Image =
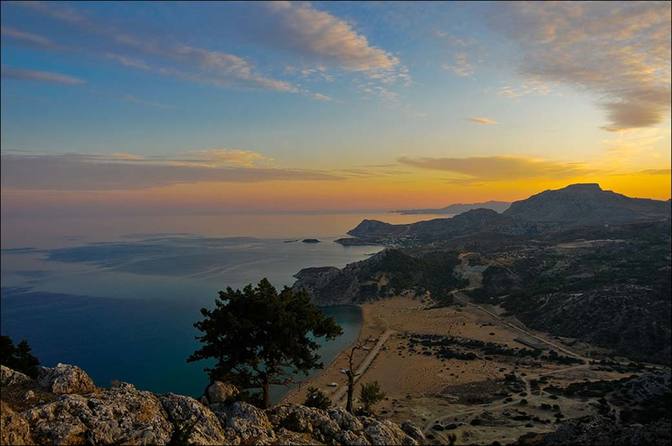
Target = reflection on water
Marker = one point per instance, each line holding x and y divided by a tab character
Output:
119	297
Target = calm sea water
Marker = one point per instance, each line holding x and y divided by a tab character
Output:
119	297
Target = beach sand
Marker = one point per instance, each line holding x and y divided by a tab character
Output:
425	388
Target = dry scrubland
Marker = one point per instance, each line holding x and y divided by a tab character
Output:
471	398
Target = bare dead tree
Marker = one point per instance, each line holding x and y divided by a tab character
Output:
351	375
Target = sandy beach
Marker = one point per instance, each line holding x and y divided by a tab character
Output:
427	389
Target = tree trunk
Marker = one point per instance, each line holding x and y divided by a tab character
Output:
351	388
266	390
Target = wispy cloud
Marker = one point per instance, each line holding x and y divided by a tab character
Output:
495	168
175	59
26	37
528	87
229	157
482	121
40	76
461	66
328	44
123	171
299	27
618	51
129	61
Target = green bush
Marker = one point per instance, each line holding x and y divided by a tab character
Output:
317	398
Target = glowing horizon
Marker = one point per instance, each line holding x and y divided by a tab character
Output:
297	107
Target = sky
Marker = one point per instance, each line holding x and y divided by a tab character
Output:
189	108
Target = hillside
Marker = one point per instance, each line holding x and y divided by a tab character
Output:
385	274
609	286
572	206
587	204
439	229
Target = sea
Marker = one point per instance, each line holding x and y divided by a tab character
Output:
118	296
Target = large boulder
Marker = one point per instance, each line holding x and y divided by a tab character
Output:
316	422
118	415
337	426
219	392
245	423
9	377
65	379
14	429
194	423
345	419
386	432
288	438
413	431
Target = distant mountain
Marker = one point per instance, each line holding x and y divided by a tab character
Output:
458	208
466	223
573	206
587	204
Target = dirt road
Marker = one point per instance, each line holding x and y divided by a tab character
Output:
340	393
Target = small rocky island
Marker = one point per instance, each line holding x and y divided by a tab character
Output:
64	406
310	240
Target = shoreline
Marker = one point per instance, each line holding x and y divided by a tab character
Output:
294	392
452	385
371	330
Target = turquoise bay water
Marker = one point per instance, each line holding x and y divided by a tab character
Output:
119	297
124	310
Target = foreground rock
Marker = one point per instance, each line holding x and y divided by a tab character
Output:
193	422
121	414
10	377
219	392
80	413
65	379
14	428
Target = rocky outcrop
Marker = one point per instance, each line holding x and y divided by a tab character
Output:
65	379
337	426
194	423
14	428
247	423
122	414
10	377
413	431
219	392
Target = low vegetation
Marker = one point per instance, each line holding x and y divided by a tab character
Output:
18	357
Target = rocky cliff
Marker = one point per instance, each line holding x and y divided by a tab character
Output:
388	273
63	406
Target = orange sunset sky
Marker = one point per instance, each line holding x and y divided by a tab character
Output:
153	108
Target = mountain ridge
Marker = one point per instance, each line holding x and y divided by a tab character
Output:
581	204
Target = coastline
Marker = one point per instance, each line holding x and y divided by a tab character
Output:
294	394
429	388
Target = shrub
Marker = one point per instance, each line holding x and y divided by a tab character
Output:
317	398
